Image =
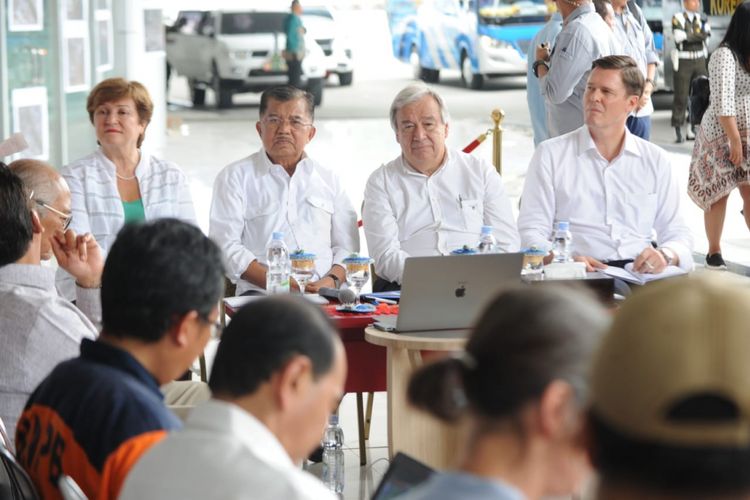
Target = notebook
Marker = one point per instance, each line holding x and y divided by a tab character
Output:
403	474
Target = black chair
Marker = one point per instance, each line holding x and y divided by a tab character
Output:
15	483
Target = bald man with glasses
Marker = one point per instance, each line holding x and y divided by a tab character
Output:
39	328
281	189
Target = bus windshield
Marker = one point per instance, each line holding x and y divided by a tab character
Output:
513	11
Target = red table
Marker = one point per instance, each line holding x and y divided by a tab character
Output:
366	363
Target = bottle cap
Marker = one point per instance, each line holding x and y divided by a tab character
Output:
563	225
486	229
333	419
277	235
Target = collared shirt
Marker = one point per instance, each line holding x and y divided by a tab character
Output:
584	38
407	213
453	485
97	206
637	41
293	27
39	329
613	207
534	97
98	414
254	197
222	452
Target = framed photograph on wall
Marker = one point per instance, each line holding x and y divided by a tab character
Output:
31	118
75	46
103	36
153	29
25	15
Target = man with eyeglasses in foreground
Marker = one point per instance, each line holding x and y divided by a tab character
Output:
280	188
430	200
38	327
95	415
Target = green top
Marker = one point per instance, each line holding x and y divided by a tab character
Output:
293	29
134	210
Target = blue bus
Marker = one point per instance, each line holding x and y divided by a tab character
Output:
481	38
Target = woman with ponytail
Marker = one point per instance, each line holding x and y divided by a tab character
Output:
519	388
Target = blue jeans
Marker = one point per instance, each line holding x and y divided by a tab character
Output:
640	126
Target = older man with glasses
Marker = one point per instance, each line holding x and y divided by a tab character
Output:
281	189
40	329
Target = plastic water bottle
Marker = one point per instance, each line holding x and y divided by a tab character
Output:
487	242
333	455
562	246
279	265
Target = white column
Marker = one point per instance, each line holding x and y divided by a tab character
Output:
133	62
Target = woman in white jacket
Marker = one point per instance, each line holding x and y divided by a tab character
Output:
119	182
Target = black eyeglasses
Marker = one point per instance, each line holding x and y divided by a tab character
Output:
216	327
66	218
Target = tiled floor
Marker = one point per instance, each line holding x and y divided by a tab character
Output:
360	482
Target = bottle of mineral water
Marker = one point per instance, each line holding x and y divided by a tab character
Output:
487	241
562	247
279	266
333	455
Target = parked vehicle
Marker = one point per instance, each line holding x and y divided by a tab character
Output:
481	38
321	23
237	51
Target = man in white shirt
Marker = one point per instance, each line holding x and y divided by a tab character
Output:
430	200
38	328
281	189
614	188
279	373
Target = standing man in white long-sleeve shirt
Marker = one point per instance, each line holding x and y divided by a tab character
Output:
280	188
429	200
615	188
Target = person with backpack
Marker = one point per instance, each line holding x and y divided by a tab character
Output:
691	31
720	160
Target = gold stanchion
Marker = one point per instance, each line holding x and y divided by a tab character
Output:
497	140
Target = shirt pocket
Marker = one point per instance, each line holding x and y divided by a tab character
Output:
641	212
473	214
318	214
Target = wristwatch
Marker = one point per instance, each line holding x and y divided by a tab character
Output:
537	63
668	254
336	280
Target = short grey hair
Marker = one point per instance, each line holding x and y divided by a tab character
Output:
40	178
411	94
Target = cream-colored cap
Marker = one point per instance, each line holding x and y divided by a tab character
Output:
670	342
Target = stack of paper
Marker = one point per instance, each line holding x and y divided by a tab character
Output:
631	276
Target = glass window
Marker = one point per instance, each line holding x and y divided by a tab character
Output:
243	23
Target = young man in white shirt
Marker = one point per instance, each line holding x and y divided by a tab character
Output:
279	373
614	188
430	200
280	188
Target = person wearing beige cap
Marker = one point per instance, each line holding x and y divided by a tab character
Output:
669	413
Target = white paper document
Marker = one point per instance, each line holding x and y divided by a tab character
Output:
631	276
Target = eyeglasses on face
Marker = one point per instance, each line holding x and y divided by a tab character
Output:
66	218
216	327
273	121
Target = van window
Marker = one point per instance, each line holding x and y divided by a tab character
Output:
244	23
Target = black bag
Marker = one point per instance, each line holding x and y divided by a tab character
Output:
700	92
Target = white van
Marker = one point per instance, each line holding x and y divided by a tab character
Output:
321	23
232	51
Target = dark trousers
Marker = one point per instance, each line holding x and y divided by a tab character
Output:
383	285
294	71
688	69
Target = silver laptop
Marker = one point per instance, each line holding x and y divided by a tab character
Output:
449	292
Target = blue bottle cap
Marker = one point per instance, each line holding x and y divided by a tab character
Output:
563	225
486	230
277	235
